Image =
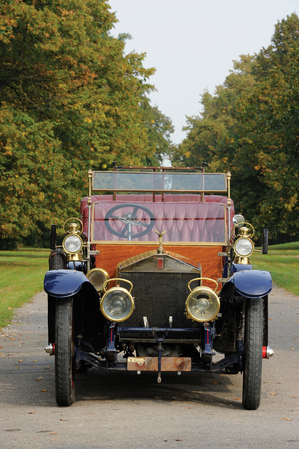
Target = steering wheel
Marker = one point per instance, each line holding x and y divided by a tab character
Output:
130	219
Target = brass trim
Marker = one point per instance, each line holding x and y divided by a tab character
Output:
160	191
118	279
79	231
244	231
90	181
132	260
154	243
228	178
92	224
199	279
226	225
243	260
74	257
160	250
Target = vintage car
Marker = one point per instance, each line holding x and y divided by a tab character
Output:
156	276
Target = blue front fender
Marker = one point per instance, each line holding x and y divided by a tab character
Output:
251	283
66	283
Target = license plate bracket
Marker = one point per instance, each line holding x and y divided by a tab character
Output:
151	364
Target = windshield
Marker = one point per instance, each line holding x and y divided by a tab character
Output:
138	221
159	182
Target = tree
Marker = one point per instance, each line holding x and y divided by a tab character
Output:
215	136
270	119
69	99
212	134
250	127
159	130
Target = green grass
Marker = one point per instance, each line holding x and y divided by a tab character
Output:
283	263
22	274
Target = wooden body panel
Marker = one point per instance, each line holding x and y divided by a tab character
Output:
207	256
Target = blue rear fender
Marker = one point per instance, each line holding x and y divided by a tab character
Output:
67	283
251	283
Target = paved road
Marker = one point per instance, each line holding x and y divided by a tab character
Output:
123	410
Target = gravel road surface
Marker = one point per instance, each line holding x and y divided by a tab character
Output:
124	410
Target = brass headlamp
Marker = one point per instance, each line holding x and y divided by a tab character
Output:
202	305
72	244
117	303
98	277
244	246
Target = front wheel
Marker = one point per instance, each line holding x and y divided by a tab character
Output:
252	373
64	353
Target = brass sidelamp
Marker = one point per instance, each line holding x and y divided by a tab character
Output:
72	243
243	245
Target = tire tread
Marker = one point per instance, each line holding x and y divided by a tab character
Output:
64	384
252	377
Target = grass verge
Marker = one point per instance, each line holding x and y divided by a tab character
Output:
283	263
22	274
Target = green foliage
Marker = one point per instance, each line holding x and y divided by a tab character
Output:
24	274
69	99
159	129
212	136
250	127
270	116
283	264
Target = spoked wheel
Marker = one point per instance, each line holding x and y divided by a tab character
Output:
64	353
252	374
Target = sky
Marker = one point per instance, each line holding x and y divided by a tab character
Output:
192	44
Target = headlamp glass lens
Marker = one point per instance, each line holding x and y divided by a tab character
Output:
73	244
243	247
202	305
117	305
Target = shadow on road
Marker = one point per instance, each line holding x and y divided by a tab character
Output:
33	385
194	387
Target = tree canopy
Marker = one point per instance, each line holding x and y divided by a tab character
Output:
250	127
159	130
69	99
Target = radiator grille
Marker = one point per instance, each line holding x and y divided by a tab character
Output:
158	296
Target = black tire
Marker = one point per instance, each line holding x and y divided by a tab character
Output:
252	373
57	260
64	353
